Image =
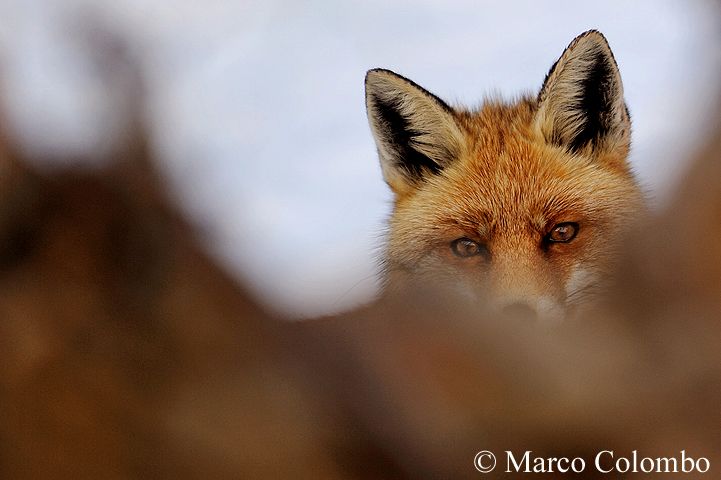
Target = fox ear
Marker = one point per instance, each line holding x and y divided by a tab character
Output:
416	133
581	104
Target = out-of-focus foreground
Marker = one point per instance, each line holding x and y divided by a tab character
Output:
125	352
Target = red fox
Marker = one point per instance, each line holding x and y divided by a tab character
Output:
521	204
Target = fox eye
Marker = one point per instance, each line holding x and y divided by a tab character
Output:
465	247
563	232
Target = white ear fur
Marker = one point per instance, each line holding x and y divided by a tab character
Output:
581	105
415	132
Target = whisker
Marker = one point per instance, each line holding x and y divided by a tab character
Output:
353	287
583	293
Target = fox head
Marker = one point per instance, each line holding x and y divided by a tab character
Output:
519	204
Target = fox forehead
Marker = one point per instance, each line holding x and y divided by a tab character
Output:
507	176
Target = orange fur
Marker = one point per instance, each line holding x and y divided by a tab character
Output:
506	186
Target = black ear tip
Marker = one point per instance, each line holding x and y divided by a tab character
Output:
592	33
593	36
376	73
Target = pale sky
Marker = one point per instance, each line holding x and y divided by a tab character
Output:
258	111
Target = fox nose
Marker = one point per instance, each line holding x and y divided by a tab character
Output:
520	311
